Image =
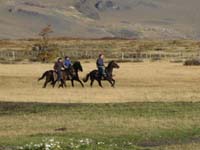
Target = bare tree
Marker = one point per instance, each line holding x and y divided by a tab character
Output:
47	52
44	33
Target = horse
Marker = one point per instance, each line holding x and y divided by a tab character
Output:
67	74
71	74
94	75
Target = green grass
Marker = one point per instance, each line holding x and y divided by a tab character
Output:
145	125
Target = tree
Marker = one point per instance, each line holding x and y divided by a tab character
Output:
44	33
47	52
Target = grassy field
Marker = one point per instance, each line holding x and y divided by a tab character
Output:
141	82
155	106
147	125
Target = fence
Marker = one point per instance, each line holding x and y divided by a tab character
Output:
10	55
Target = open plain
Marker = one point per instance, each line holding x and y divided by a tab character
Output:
155	105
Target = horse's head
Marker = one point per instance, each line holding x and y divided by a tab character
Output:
113	64
77	66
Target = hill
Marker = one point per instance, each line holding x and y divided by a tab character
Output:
166	19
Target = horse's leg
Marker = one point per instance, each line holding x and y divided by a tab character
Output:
110	81
64	83
72	82
80	82
45	84
91	83
113	82
54	83
61	85
99	81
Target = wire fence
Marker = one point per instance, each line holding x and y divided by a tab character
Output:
11	55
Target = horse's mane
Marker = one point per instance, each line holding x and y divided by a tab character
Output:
75	63
110	63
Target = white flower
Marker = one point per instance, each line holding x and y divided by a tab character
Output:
51	140
129	143
100	143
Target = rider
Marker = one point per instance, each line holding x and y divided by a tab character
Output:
101	66
58	68
67	64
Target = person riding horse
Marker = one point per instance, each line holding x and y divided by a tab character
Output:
67	62
101	66
94	74
50	77
58	66
67	65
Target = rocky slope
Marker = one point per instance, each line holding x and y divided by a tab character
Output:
101	18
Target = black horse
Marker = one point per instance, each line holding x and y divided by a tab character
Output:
67	74
94	75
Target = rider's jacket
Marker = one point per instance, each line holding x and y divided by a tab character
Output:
100	62
67	63
58	66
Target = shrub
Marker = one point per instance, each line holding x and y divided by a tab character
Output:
47	56
192	62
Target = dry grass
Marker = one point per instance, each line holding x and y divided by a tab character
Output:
159	81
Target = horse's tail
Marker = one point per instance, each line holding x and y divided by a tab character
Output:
44	75
86	78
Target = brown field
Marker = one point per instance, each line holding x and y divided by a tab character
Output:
136	82
165	125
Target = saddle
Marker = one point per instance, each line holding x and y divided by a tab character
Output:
102	76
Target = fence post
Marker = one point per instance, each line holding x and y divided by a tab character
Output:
122	55
13	55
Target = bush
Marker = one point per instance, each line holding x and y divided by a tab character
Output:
49	54
192	62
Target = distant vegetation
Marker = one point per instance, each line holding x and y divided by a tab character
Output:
47	49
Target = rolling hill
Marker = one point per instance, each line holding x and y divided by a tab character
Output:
155	19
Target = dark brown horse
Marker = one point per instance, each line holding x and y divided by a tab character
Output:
94	75
67	74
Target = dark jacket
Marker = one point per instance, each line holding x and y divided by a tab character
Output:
58	66
100	62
